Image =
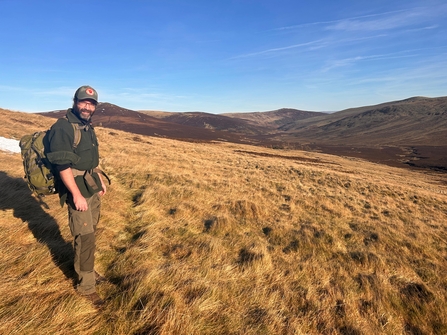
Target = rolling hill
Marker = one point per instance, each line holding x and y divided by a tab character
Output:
277	118
214	122
119	118
411	131
406	133
415	121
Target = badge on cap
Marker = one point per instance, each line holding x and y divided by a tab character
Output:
89	91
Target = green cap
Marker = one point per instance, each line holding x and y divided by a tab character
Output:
86	92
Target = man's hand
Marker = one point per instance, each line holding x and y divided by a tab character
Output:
103	185
80	203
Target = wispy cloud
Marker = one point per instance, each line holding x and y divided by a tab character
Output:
395	21
420	78
434	26
352	60
137	98
335	22
37	92
378	21
391	20
312	44
404	77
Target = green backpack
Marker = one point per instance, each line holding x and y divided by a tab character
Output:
38	170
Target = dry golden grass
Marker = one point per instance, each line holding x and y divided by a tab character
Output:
229	239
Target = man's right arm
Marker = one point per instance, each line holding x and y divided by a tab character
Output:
67	178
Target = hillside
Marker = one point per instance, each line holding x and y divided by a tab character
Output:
407	133
410	133
277	118
415	121
225	238
248	123
119	118
215	122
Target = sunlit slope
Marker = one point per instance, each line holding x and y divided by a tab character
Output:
414	121
222	238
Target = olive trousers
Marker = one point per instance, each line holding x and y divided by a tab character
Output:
83	228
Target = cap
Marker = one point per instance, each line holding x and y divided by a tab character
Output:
86	92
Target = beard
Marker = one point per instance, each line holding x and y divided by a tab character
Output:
84	113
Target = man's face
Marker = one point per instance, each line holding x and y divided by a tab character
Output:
85	109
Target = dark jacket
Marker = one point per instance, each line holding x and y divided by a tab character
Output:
62	154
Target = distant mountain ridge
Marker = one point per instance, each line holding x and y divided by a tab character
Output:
212	121
414	121
255	123
116	117
411	131
276	118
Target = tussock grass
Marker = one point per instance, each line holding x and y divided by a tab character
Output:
221	238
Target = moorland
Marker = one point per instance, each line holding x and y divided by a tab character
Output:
214	229
407	133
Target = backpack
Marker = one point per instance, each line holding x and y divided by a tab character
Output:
38	169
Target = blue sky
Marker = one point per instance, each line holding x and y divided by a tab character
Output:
222	56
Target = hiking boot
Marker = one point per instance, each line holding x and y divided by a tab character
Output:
99	279
95	299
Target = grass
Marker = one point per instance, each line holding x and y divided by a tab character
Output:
218	238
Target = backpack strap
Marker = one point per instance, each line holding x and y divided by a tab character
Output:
77	134
99	171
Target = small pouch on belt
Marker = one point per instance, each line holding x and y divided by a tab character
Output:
90	184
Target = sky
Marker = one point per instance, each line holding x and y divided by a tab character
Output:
221	56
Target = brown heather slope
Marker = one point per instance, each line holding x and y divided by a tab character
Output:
223	238
415	121
277	118
408	133
216	122
119	118
247	123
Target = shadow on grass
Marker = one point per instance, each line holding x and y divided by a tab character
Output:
16	195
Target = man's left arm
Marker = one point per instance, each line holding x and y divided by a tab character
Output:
103	185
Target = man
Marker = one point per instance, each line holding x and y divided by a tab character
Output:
79	184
